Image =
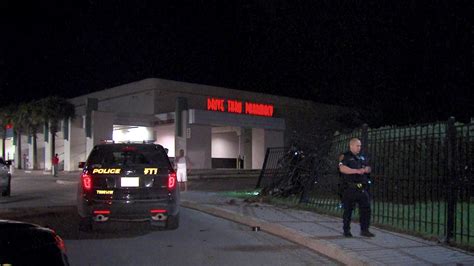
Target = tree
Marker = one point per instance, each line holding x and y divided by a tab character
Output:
20	120
5	120
53	110
33	122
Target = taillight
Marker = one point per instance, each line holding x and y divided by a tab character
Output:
86	182
157	211
60	243
101	212
171	180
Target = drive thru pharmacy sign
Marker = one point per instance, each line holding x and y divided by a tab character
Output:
239	107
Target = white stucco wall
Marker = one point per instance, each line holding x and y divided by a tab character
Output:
261	140
139	103
102	129
225	145
165	137
75	146
198	146
9	149
258	147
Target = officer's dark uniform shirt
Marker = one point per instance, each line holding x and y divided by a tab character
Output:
354	162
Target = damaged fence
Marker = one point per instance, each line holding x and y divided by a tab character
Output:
423	178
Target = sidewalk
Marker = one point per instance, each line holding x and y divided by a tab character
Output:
62	178
324	233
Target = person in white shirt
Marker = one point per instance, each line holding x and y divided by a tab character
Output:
182	165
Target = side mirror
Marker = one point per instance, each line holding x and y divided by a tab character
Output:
81	165
166	150
8	162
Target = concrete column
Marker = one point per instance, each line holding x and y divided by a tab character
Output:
40	153
102	129
198	146
262	139
165	137
31	156
246	147
48	151
181	140
9	149
59	144
258	147
24	150
75	145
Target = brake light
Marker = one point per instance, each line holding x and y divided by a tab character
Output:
86	182
129	148
60	243
158	211
171	180
101	212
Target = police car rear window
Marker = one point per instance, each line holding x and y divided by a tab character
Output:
118	155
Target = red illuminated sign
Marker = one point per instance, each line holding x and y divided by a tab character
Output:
239	107
8	126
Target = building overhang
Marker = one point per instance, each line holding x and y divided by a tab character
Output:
204	117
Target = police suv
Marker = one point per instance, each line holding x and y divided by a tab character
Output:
128	182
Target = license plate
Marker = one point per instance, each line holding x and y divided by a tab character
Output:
104	192
129	182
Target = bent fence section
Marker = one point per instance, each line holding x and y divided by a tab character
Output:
423	178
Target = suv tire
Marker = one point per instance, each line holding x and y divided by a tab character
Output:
172	223
7	191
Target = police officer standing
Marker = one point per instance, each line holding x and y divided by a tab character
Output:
354	169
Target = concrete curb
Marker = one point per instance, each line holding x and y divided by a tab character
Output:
321	246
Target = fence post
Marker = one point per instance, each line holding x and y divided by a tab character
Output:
262	172
451	178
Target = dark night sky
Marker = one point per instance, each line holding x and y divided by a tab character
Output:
398	61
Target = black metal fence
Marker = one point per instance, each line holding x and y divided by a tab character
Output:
273	168
423	178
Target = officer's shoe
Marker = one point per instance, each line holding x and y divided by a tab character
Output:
366	234
347	234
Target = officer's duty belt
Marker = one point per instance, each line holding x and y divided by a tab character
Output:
357	185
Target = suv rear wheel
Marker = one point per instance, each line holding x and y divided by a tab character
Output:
172	222
7	191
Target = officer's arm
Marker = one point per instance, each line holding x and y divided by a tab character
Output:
367	169
349	171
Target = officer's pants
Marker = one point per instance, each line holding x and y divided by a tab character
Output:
350	197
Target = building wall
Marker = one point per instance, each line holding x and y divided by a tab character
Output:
225	145
102	129
40	151
262	139
198	146
273	138
154	96
141	102
138	103
76	145
122	98
59	147
165	137
9	149
258	147
304	117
